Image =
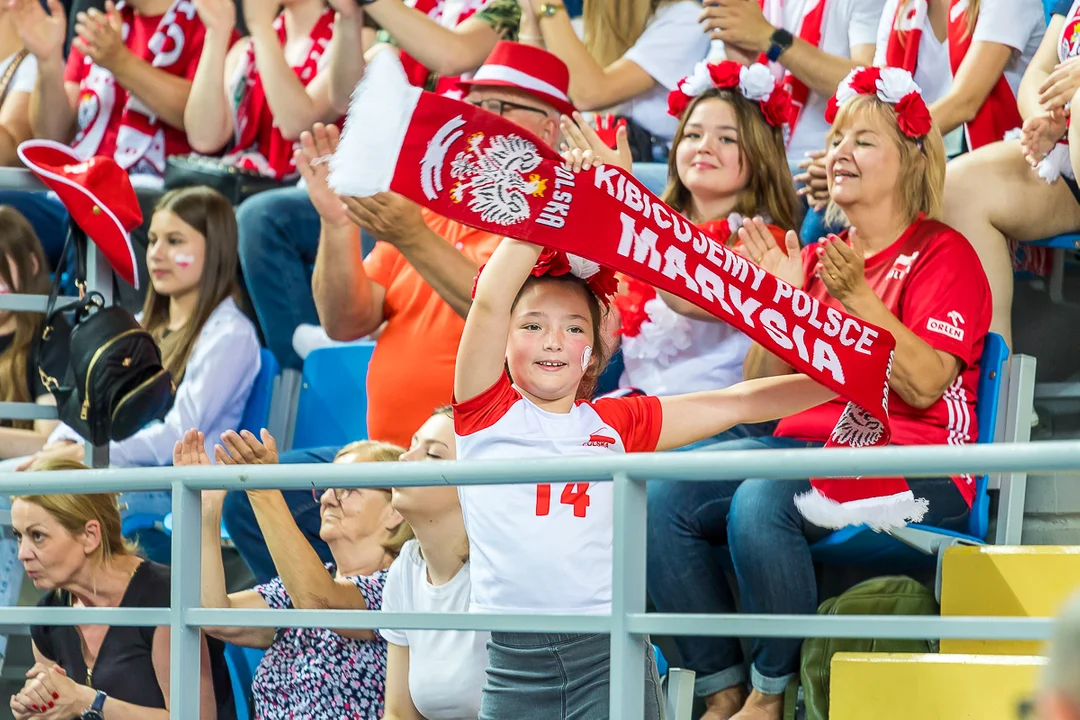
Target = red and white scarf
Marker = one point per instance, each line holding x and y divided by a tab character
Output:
998	114
486	172
260	147
142	134
905	35
418	74
810	30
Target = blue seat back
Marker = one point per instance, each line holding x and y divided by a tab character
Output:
1048	7
332	408
991	378
652	175
242	663
257	411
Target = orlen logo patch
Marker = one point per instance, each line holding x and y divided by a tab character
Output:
597	440
944	328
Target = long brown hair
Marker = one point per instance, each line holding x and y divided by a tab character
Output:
769	189
613	26
207	211
18	242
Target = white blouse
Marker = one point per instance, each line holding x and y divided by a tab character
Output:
220	374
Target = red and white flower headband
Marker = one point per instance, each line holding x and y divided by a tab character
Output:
600	279
754	82
890	85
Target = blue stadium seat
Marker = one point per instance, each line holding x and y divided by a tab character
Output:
859	545
1048	7
332	408
257	411
652	175
242	664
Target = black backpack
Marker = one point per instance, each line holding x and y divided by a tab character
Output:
101	365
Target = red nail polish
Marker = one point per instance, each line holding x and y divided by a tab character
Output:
35	707
51	703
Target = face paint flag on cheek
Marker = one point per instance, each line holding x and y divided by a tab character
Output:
481	170
183	260
586	357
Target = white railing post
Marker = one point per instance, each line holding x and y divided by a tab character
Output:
185	650
628	597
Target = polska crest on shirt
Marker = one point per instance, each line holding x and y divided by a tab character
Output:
494	174
1069	44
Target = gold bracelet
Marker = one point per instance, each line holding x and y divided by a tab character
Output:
549	9
530	38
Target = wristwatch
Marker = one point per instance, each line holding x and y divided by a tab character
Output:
550	8
94	712
780	41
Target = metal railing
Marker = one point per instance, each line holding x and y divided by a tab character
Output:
628	623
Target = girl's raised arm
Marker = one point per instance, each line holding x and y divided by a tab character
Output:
482	351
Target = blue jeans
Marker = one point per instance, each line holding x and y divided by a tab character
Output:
279	237
47	216
755	523
541	676
244	529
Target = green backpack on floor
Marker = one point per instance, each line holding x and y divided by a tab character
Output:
892	595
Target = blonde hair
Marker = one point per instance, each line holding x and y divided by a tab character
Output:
921	183
375	451
73	512
761	147
613	26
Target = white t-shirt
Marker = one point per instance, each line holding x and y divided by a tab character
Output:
932	74
446	667
672	44
847	24
672	354
25	75
1019	24
545	548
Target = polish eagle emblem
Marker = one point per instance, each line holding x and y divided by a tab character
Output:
495	176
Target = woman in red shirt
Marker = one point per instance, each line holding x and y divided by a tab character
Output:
898	268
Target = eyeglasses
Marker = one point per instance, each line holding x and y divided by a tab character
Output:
499	107
342	494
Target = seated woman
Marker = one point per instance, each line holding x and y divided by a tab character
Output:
207	343
968	65
257	95
23	269
432	674
728	162
1023	189
306	672
633	54
901	270
71	547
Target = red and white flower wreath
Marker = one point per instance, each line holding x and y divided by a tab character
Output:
754	82
894	86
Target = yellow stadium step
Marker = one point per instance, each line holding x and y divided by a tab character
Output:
1006	581
887	686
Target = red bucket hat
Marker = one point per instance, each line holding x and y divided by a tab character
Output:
97	194
528	68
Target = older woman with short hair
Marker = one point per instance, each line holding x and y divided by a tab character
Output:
898	268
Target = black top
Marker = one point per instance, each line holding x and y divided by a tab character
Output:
1062	8
33	379
124	668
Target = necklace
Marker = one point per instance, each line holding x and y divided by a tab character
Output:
83	647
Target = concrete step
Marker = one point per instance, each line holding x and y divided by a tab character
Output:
886	686
1004	581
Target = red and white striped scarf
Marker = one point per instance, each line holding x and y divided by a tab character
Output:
905	35
810	30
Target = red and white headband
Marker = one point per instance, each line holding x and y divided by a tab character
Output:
893	86
600	279
754	82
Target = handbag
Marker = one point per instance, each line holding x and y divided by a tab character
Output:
101	365
644	146
236	184
9	74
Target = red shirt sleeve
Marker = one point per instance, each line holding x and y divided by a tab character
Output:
946	299
484	410
637	420
73	69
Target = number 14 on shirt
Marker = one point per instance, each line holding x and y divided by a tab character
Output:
576	494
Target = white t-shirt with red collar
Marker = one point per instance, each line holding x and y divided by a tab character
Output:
545	548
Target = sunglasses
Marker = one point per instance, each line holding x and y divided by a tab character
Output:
342	494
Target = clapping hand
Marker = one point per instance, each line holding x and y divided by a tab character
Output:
49	694
583	140
244	448
842	267
814	180
761	247
219	16
313	162
101	36
41	33
1040	134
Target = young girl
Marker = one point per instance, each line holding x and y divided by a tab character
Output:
23	269
432	674
727	164
528	357
207	343
633	53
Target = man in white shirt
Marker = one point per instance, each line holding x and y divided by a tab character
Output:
846	31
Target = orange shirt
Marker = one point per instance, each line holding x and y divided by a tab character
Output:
412	368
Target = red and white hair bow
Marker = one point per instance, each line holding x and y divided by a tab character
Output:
754	82
600	279
893	86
